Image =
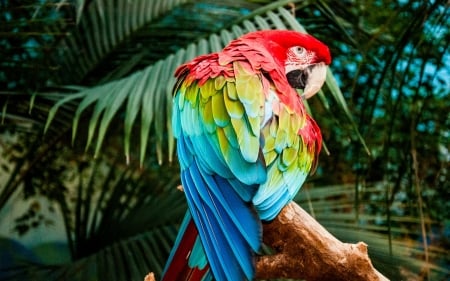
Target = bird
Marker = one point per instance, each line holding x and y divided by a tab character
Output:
245	145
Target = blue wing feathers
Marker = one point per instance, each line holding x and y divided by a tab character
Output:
246	192
214	261
184	156
243	216
219	254
213	163
232	237
248	173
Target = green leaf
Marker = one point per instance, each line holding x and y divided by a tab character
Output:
339	97
120	95
148	105
133	108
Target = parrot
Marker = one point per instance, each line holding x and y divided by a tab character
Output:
245	145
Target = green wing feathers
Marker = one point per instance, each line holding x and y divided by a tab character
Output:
289	156
230	113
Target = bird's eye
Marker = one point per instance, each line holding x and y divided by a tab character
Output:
299	51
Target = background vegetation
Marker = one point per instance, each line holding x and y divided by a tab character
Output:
94	197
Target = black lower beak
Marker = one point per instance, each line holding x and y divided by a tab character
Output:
297	78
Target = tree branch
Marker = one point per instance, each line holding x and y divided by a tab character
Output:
305	250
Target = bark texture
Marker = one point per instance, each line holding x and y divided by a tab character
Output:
306	250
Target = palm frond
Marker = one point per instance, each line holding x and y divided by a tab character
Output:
102	26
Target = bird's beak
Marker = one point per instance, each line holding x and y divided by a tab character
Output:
310	79
316	78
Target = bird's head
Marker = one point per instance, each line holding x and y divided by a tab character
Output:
304	58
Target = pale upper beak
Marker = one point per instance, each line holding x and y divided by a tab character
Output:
315	81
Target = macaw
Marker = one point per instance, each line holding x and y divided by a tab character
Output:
245	145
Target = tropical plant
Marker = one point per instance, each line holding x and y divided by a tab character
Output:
87	148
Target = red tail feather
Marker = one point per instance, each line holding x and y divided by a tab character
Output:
179	269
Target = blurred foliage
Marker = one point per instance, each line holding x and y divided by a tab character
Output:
97	76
